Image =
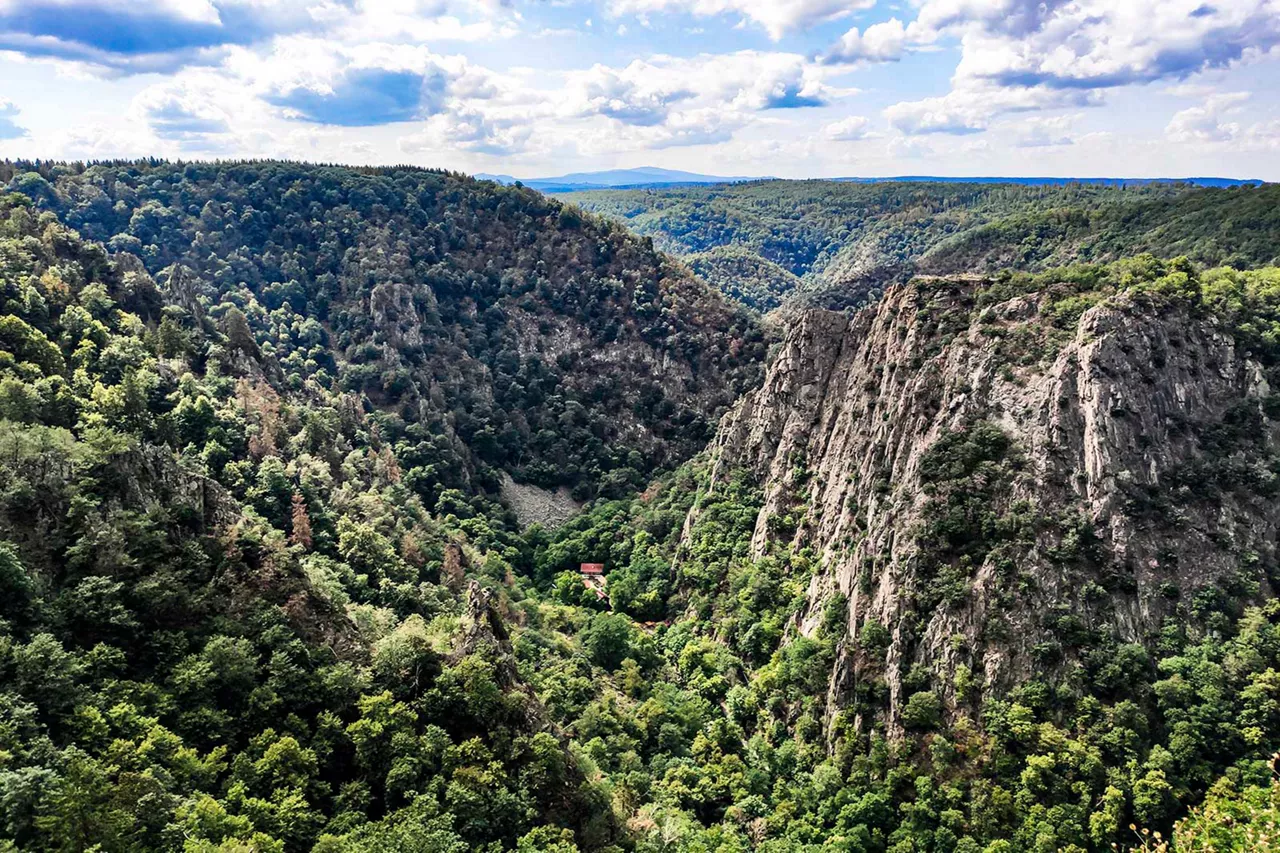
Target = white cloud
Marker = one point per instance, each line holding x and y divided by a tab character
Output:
9	127
697	127
1207	123
202	112
1010	17
98	141
360	150
777	17
1045	132
632	95
118	37
882	42
196	110
768	153
657	103
907	147
952	154
365	84
970	110
1022	55
646	92
1215	124
666	101
418	21
469	129
1098	43
850	129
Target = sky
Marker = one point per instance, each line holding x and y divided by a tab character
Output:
534	88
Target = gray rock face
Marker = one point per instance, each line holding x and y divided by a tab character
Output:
535	505
1137	475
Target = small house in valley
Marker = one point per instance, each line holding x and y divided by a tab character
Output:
593	579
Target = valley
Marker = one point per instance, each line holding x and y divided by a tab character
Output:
932	516
847	241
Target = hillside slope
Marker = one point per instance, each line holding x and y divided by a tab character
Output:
496	320
744	276
1232	226
1003	474
227	618
847	242
989	565
880	614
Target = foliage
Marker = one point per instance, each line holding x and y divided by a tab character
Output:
489	331
231	581
847	241
744	276
1232	820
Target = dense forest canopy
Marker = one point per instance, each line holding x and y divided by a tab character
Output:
255	594
491	327
846	241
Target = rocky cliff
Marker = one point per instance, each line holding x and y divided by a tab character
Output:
994	478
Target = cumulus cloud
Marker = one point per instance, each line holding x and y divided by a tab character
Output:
1207	122
9	128
1045	132
1013	18
469	130
125	36
359	97
849	129
697	127
129	37
777	17
909	148
652	104
1019	55
98	141
359	150
882	42
1216	122
649	92
206	112
1100	44
185	111
451	104
943	151
421	21
361	85
970	110
630	95
666	101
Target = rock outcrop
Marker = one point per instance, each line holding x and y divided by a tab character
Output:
989	486
535	505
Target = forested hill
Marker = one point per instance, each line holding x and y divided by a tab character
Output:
487	328
243	609
228	621
847	241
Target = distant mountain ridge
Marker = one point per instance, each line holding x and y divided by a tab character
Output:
1056	182
653	177
643	176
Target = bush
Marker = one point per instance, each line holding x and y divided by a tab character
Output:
923	711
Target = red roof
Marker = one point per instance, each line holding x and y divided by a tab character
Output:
592	568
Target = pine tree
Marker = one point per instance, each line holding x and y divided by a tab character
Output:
301	522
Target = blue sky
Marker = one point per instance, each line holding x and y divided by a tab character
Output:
792	88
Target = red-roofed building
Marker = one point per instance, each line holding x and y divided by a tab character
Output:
593	579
